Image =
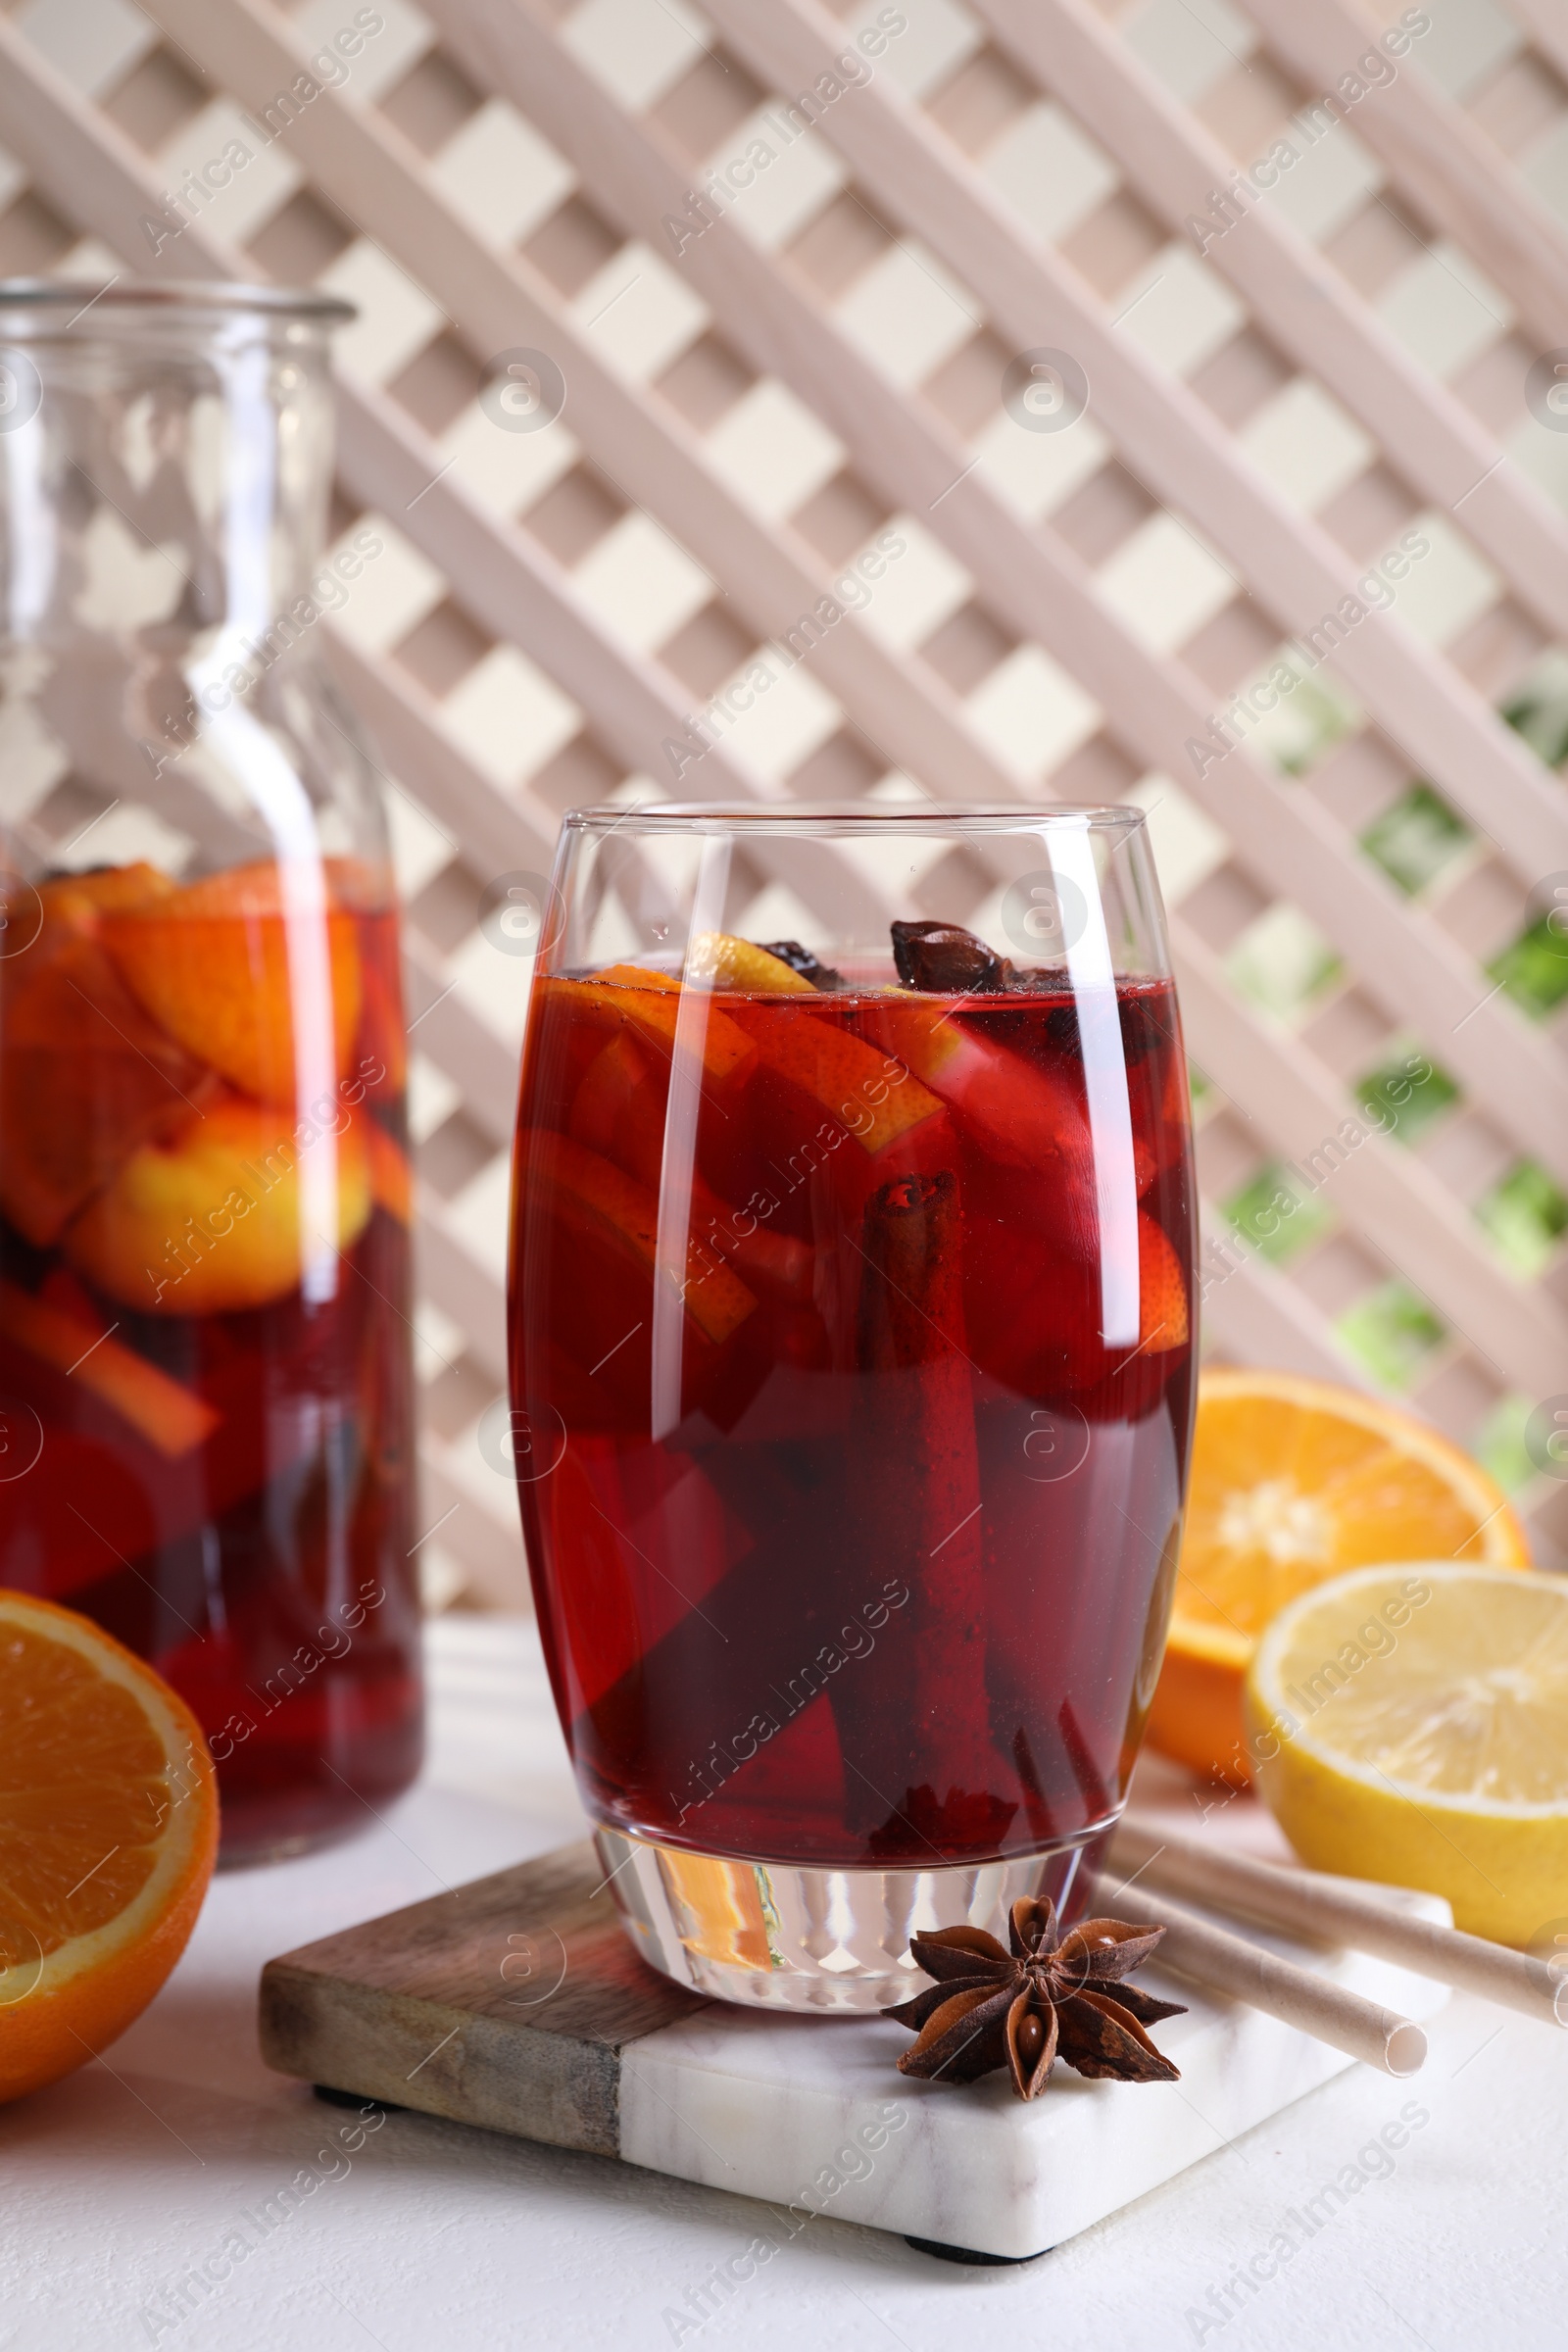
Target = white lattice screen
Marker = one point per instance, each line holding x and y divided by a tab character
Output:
792	269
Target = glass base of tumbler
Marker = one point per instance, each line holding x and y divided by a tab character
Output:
785	1935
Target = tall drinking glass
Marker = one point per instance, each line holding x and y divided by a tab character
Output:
851	1338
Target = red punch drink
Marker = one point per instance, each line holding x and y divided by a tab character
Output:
204	1359
852	1349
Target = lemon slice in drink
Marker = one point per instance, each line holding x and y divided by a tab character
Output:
718	960
1409	1724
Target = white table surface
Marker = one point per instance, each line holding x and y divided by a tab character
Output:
118	2183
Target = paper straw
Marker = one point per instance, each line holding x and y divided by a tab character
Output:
1303	1902
1226	1963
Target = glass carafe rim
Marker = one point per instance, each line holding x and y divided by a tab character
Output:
24	300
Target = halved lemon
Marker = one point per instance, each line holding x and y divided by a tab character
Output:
1294	1481
1410	1724
108	1833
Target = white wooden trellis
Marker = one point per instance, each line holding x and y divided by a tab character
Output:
746	405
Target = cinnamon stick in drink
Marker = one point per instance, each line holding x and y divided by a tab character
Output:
913	1726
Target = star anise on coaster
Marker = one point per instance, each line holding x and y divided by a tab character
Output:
1052	1997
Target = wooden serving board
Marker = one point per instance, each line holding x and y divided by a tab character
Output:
517	2003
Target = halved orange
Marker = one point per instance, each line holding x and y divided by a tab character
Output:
108	1834
1295	1481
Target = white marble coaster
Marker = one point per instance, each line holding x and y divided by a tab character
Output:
516	2003
812	2118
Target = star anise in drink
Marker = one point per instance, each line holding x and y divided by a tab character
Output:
944	958
1051	1997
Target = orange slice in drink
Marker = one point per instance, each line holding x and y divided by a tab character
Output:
81	898
108	1833
619	1111
597	1204
391	1177
208	1221
218	964
1293	1481
652	1003
860	1086
638	975
1019	1113
169	1416
85	1077
619	1108
1162	1317
383	1039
